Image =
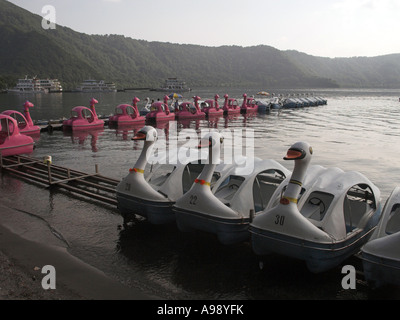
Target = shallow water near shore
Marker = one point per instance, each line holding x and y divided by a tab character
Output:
357	130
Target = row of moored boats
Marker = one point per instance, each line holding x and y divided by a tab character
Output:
316	214
161	111
84	118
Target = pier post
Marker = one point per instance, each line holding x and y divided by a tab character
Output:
49	171
251	215
96	166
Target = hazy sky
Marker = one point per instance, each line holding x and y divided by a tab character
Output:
328	28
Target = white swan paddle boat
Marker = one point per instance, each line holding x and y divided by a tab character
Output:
381	255
226	211
319	215
153	196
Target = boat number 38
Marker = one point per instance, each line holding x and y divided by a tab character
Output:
280	220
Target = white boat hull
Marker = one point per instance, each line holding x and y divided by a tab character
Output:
156	212
319	257
228	230
381	261
380	271
381	256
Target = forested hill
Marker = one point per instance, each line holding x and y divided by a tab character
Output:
28	49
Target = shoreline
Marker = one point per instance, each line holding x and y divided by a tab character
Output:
21	262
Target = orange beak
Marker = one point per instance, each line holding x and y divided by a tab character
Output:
139	136
204	144
294	154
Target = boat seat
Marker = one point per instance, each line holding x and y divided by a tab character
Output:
263	190
229	187
354	211
226	193
317	205
22	125
311	211
393	224
3	136
190	173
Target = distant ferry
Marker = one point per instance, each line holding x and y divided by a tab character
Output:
96	86
52	85
173	85
35	85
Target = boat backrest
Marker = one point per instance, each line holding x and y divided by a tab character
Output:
88	115
162	175
207	104
190	173
21	120
357	203
264	186
229	187
393	224
233	103
130	111
118	111
317	205
3	131
6	126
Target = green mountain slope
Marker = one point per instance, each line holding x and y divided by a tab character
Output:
28	49
376	72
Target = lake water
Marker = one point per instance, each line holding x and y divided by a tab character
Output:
357	130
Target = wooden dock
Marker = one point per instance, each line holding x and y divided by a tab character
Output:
91	186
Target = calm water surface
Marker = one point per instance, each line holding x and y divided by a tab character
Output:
356	130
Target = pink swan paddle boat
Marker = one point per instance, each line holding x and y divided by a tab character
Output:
12	142
190	110
25	123
230	106
83	118
248	105
212	108
126	114
159	111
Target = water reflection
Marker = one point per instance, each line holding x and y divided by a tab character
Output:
189	123
230	119
248	117
199	264
125	130
213	121
81	136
